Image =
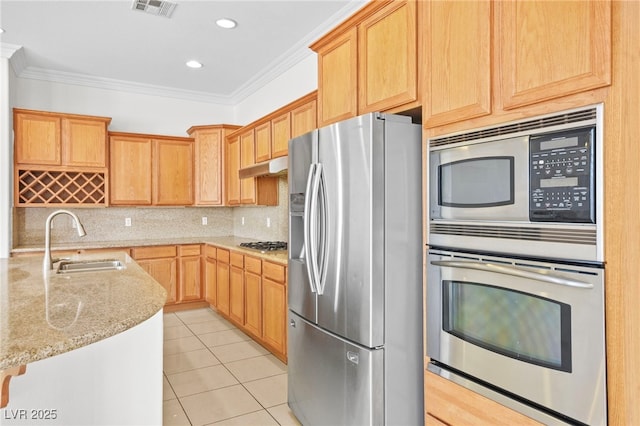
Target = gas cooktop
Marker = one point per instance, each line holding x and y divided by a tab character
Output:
265	246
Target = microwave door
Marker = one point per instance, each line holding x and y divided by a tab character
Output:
481	181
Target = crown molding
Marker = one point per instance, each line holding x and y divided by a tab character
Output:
276	68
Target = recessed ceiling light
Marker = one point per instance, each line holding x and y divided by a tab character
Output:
226	23
194	64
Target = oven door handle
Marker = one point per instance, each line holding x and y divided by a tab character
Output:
508	270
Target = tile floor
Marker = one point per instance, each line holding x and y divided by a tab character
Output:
215	374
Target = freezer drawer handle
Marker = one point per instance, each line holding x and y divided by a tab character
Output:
508	270
353	357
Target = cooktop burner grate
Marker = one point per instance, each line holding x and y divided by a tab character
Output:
266	245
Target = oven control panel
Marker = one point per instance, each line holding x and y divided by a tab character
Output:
562	176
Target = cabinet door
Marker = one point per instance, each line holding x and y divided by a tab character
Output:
274	313
84	142
338	78
247	155
163	271
387	57
37	139
231	170
211	287
130	171
209	167
223	287
173	172
190	279
280	135
263	142
550	49
253	303
304	119
457	59
236	295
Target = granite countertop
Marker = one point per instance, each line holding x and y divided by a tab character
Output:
227	242
42	316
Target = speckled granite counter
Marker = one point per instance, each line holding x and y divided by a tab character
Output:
228	242
42	317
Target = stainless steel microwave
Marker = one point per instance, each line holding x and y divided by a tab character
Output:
537	180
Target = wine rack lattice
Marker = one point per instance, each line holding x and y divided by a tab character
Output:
40	187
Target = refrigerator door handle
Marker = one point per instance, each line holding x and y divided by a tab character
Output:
323	256
314	212
307	226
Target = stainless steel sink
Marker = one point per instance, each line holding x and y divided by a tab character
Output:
71	266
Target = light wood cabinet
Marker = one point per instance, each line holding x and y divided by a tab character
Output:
222	278
209	144
491	62
190	273
236	288
453	404
369	62
56	139
231	171
160	262
304	118
247	158
457	58
151	170
211	275
253	295
262	134
274	307
280	134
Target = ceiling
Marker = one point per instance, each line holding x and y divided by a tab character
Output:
108	44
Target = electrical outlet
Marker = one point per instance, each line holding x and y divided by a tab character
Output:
127	221
268	222
204	220
242	220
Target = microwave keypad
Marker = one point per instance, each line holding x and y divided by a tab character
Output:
562	177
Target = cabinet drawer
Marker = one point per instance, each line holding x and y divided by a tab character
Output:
153	252
189	250
237	260
210	252
274	272
222	255
251	264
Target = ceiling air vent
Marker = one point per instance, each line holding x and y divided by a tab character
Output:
154	7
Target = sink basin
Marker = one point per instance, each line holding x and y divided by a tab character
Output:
67	267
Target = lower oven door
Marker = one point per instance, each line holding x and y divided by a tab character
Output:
532	329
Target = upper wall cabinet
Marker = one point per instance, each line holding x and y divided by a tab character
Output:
541	51
369	62
209	163
151	170
45	138
60	159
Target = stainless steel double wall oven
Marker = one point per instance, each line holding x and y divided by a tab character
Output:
515	267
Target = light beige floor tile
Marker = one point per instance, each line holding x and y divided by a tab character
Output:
256	368
270	391
185	361
259	418
237	351
219	404
200	380
167	392
173	415
183	344
224	337
176	332
194	316
211	326
171	320
283	415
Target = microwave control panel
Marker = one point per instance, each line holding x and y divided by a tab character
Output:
562	176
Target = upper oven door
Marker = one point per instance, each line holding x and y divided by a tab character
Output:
481	181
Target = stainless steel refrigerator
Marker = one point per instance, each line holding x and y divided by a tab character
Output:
355	351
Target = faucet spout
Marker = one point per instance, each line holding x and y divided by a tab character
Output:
47	263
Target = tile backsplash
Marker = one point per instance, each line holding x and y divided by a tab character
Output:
108	224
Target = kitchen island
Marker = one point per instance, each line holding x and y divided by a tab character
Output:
91	343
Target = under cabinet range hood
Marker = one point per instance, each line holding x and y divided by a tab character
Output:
274	167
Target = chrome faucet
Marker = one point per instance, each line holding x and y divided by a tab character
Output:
47	263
